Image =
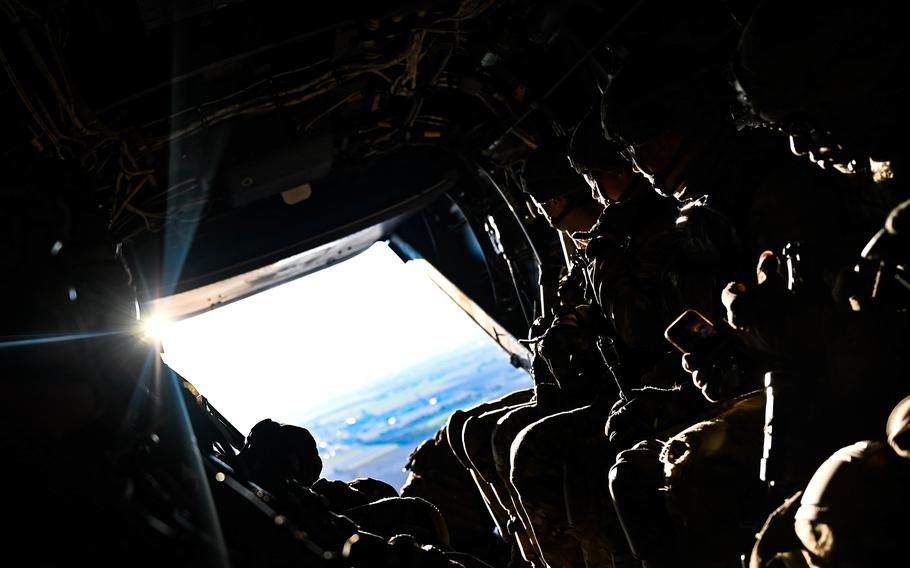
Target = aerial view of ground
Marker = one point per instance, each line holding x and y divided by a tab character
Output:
371	434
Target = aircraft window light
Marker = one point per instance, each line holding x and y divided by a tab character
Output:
371	355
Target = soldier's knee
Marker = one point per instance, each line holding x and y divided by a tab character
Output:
504	434
527	456
517	471
636	482
456	422
477	436
636	468
454	428
501	447
473	441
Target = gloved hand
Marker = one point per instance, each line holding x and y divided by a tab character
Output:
758	309
735	362
567	336
724	372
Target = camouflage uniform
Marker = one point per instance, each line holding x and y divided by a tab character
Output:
566	351
627	268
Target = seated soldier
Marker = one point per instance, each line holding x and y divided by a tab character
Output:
566	202
276	454
284	460
454	429
673	119
628	260
850	117
434	474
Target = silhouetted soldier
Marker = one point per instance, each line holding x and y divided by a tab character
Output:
834	79
284	459
671	113
628	264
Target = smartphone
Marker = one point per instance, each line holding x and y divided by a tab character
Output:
690	332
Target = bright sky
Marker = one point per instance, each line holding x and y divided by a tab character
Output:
288	350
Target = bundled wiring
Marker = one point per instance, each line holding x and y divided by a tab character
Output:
135	195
